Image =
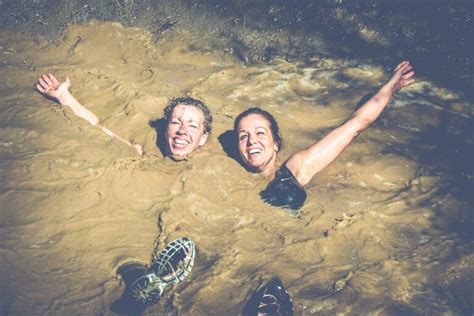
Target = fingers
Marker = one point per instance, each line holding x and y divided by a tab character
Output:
53	79
409	82
46	79
403	72
44	85
407	68
408	75
40	88
400	65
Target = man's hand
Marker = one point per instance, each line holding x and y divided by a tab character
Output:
50	86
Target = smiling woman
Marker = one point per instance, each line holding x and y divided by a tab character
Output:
259	142
259	139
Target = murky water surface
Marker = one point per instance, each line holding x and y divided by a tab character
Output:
394	212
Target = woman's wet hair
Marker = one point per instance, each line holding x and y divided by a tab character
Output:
168	111
273	123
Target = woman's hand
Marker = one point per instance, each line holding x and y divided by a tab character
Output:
401	77
307	162
48	84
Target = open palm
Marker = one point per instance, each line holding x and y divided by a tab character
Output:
50	86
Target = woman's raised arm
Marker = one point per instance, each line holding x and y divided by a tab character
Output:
306	163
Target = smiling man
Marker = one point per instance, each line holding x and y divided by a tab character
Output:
188	120
188	124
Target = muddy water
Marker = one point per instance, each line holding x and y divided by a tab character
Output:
392	216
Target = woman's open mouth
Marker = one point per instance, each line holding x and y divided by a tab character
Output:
254	152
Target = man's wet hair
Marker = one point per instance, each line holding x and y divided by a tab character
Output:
168	111
273	123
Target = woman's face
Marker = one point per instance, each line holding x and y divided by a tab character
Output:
256	144
185	131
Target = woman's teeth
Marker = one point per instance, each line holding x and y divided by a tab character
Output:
254	151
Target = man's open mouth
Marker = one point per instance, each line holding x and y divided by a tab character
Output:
180	142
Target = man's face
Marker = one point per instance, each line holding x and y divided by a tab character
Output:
185	130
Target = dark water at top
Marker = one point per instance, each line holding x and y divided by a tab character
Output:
434	34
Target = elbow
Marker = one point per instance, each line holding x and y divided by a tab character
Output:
365	122
360	123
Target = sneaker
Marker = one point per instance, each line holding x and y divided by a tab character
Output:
172	265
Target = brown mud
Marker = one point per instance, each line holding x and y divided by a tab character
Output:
433	34
387	229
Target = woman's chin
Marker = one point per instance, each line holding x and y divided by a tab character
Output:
257	168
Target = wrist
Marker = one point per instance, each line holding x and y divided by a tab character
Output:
64	97
389	89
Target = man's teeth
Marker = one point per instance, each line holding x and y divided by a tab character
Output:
180	142
254	151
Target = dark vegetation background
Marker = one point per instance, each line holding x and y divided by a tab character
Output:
436	35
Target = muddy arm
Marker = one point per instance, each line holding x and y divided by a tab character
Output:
48	85
306	163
